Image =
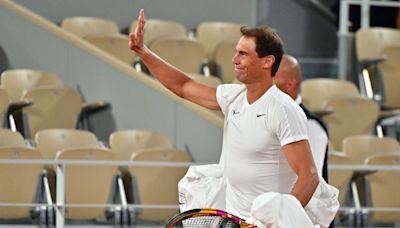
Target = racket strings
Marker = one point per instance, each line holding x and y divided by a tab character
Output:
208	222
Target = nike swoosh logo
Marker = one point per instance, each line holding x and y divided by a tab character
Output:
259	115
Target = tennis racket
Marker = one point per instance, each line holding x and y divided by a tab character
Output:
207	218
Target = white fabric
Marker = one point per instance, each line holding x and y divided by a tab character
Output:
275	210
318	140
284	210
203	186
324	204
252	144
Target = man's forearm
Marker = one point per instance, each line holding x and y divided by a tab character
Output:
305	187
168	75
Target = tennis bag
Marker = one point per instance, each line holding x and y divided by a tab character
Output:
203	186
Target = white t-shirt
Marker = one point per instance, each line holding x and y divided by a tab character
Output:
318	140
252	144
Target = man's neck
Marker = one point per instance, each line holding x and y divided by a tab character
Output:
256	90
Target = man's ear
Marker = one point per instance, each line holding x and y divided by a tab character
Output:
269	61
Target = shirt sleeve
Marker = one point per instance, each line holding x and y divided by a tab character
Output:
220	98
290	123
226	93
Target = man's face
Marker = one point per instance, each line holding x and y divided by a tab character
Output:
248	66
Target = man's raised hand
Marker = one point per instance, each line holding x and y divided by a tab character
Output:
136	37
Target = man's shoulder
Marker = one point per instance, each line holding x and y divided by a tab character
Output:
231	91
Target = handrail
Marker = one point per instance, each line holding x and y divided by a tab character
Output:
320	8
60	205
99	162
352	167
323	10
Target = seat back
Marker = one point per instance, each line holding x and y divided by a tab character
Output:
211	33
384	187
16	82
390	73
184	53
50	141
114	45
52	108
158	185
340	178
359	147
224	53
11	138
87	184
84	26
4	101
352	115
156	28
124	143
377	42
315	91
371	41
19	182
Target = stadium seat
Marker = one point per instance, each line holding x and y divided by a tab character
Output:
184	53
16	82
125	142
341	179
211	33
89	185
314	91
359	147
378	56
84	26
157	28
4	101
22	184
50	141
224	53
384	188
351	115
51	108
11	138
157	185
117	46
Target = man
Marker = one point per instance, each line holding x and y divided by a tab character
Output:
265	143
288	79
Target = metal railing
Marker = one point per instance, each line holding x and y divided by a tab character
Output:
60	205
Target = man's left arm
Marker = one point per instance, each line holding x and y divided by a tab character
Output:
300	160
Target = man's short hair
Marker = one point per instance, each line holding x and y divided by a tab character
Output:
267	43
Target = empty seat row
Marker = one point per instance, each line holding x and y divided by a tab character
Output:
94	184
35	99
204	53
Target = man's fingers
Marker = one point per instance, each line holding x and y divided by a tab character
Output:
141	18
136	37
